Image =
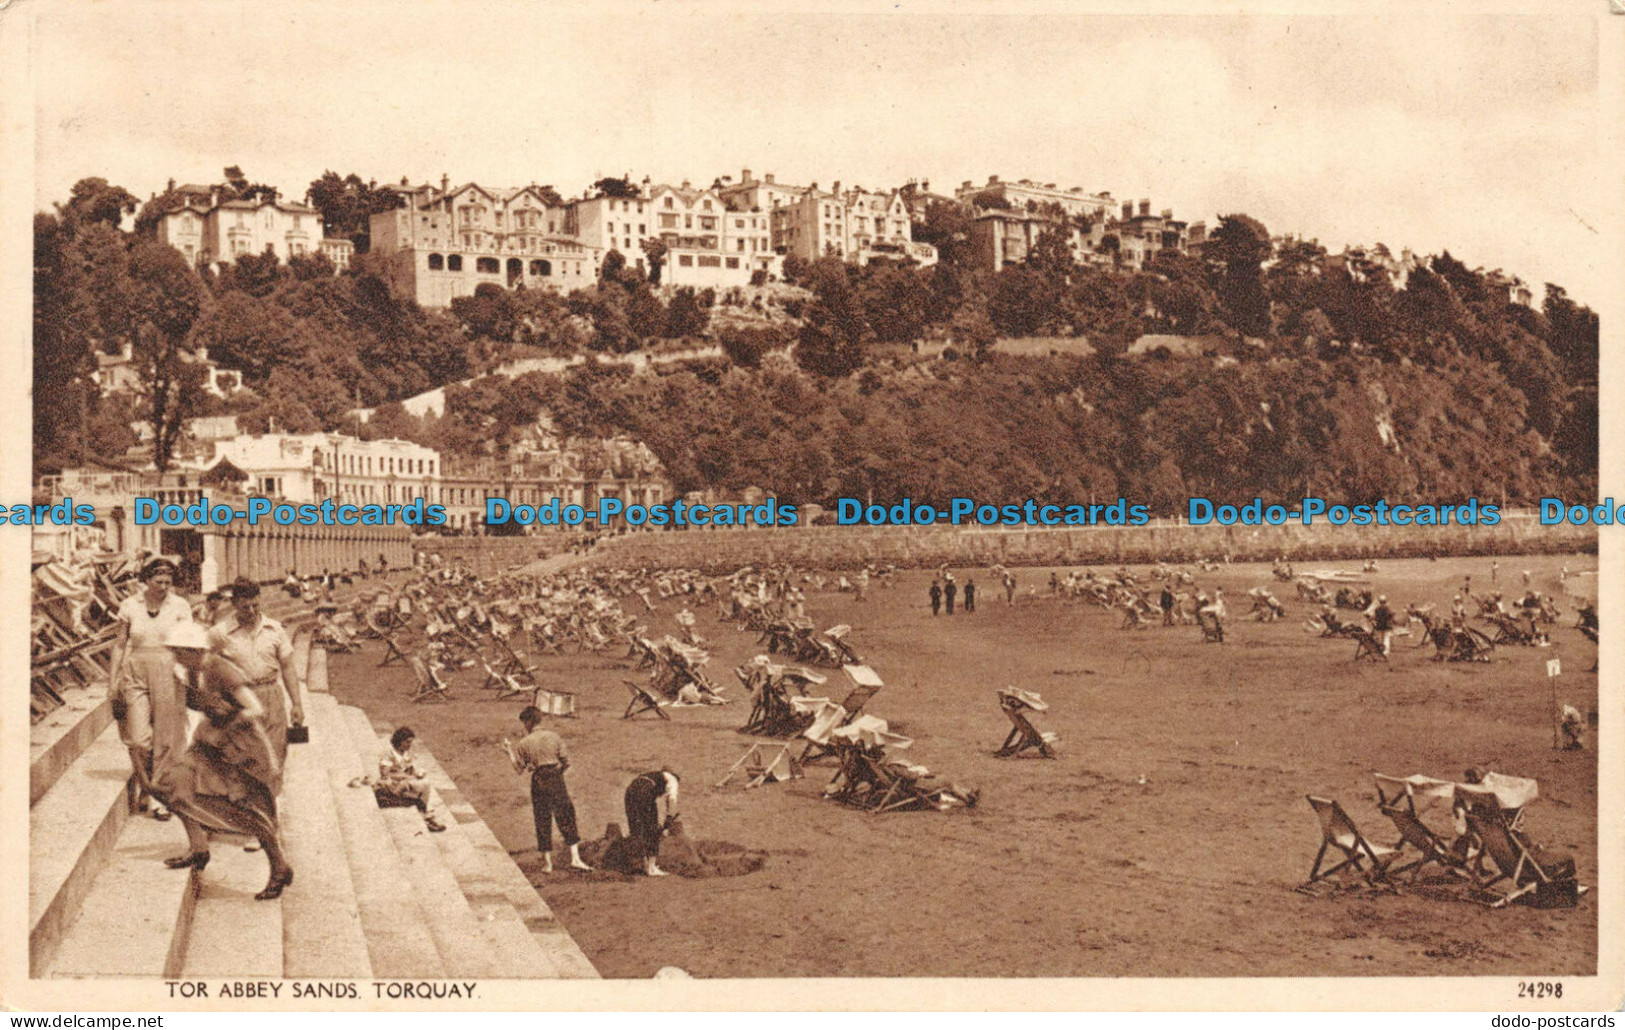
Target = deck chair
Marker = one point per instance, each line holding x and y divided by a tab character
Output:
1397	799
643	700
392	646
507	686
1366	645
837	639
762	763
430	687
1212	628
1517	866
1338	831
1015	704
902	786
866	684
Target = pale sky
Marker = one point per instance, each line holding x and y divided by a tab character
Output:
1474	133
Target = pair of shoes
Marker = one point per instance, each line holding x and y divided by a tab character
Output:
196	860
273	889
434	825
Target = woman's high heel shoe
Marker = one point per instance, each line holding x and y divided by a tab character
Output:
273	890
196	860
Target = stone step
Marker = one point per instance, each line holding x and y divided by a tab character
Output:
232	934
519	953
321	919
137	917
457	933
72	831
61	737
565	955
399	944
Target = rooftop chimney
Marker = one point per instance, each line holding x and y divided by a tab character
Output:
965	185
837	189
445	183
925	185
1145	209
1128	210
744	175
768	178
1168	213
993	180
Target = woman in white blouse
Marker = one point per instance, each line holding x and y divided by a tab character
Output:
148	700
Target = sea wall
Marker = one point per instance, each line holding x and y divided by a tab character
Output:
854	546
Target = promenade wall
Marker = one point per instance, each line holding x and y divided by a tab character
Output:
854	546
265	552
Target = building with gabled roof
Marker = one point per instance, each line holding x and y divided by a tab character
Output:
444	242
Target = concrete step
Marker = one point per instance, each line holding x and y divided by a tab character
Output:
398	940
61	737
519	953
316	671
72	831
232	934
321	919
137	916
562	952
463	948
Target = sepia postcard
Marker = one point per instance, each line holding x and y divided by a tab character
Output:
885	506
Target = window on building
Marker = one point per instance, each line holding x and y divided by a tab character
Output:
706	205
487	265
454	263
436	263
688	221
741	243
710	261
668	221
733	262
642	229
686	260
668	203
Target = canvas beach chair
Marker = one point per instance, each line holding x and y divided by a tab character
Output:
643	700
1016	706
1519	871
1338	833
1403	800
763	763
866	683
429	686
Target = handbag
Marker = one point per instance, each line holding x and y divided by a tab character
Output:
299	734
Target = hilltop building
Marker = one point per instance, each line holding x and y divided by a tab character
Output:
209	231
445	242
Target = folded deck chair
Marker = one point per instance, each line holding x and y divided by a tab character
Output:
1400	800
1338	831
643	700
1519	871
1015	704
762	763
430	687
